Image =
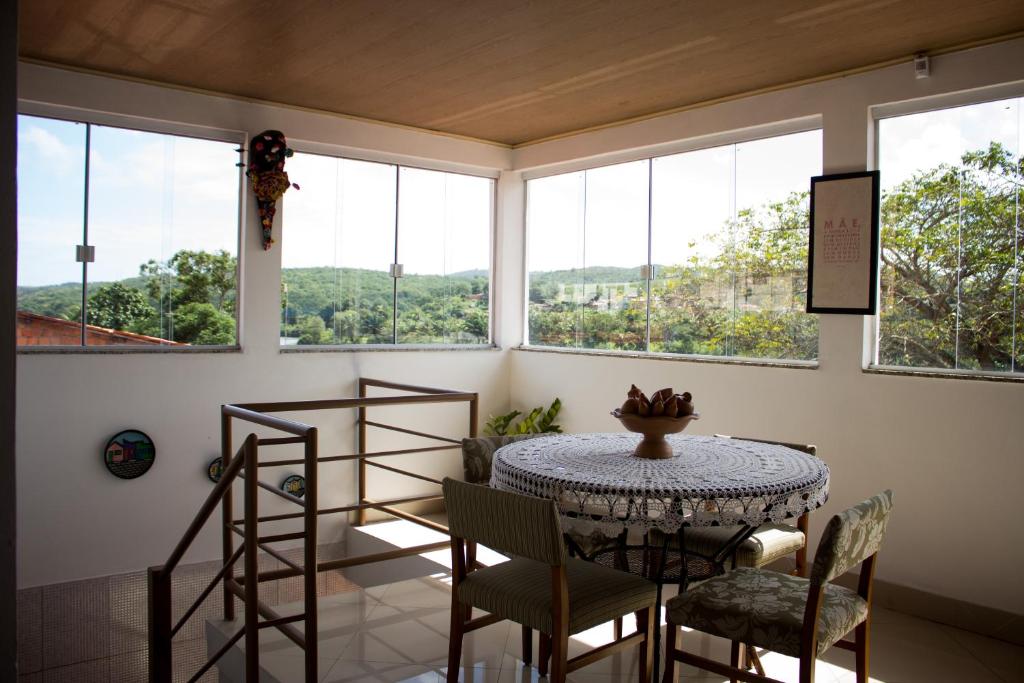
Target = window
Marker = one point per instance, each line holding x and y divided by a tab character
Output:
703	252
356	225
952	238
160	214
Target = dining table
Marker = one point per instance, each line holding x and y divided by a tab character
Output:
603	490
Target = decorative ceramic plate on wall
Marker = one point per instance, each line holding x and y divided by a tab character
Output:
129	454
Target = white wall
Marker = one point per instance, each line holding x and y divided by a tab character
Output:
952	450
75	520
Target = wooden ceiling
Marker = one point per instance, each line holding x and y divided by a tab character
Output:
509	71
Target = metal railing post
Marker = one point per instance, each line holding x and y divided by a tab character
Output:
159	625
252	570
360	450
310	568
226	512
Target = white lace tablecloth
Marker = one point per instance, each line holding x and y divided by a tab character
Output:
599	484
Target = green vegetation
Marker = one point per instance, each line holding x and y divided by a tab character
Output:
355	306
537	421
746	300
190	299
949	241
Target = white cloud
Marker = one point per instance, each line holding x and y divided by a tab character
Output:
61	158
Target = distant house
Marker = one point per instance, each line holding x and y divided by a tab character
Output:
116	452
44	330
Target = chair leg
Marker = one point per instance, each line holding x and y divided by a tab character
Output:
737	657
753	661
544	655
559	656
527	645
455	642
803	524
671	637
862	638
645	623
807	669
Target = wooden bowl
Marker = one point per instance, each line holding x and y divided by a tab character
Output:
654	446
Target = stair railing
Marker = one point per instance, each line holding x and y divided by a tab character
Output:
245	464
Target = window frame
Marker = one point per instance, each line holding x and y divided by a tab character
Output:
793	126
872	332
161	127
399	161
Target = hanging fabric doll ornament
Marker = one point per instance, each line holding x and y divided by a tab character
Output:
267	153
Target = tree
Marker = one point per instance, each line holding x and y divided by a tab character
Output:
203	323
192	277
118	307
949	242
312	330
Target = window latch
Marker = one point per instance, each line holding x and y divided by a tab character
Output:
396	270
646	272
85	253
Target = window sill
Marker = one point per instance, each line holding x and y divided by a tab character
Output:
388	348
644	355
120	350
936	373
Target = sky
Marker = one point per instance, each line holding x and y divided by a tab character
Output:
344	216
152	195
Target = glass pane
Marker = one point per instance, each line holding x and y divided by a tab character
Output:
692	292
614	307
444	228
555	260
770	233
951	237
163	216
337	246
51	182
729	240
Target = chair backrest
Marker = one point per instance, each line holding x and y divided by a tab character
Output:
851	537
507	522
478	453
808	448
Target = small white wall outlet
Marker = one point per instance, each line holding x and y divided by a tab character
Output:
922	66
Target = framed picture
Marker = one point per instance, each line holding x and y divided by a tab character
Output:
842	255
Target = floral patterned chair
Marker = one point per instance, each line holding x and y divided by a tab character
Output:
789	614
540	587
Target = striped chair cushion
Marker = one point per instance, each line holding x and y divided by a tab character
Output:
520	590
765	609
768	543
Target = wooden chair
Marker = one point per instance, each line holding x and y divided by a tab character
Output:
792	615
769	542
477	456
540	588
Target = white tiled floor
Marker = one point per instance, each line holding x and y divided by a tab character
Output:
399	632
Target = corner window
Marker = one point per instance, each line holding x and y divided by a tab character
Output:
952	240
699	253
125	237
376	253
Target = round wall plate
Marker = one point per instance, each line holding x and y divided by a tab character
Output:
129	454
295	485
215	469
